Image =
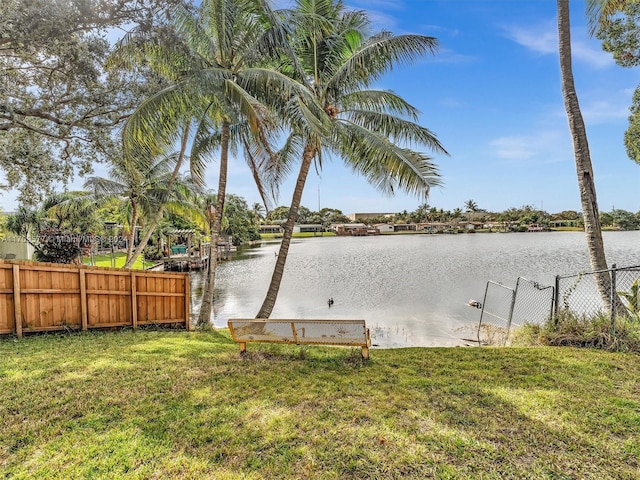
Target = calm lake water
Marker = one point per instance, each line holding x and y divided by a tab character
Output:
412	290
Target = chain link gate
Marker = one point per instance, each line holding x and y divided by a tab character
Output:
502	307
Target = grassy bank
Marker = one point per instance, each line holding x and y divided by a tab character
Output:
119	258
185	405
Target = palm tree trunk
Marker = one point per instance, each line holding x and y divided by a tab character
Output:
207	294
148	231
274	287
132	227
584	168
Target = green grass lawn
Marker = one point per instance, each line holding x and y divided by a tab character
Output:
120	257
178	405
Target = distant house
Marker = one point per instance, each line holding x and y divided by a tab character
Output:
16	248
353	229
405	227
271	229
384	227
308	228
470	225
534	227
434	227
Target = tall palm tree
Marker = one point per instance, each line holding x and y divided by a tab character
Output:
213	64
365	127
584	169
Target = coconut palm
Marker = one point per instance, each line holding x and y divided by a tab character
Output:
367	128
144	188
213	63
584	169
259	212
471	206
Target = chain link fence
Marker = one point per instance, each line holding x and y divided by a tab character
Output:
579	294
505	307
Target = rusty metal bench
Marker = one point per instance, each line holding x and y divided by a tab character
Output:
353	333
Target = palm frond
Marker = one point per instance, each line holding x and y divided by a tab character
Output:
385	165
376	57
379	101
396	129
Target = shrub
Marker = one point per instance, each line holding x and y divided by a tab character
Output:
58	246
583	331
152	253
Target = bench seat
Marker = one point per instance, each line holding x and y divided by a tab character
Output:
300	332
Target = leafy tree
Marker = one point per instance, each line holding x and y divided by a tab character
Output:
278	214
340	63
58	106
619	31
71	211
241	226
333	215
3	225
606	219
305	215
625	220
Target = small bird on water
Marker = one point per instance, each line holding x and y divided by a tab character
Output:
330	301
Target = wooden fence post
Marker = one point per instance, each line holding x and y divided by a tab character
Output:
134	302
17	303
187	304
84	314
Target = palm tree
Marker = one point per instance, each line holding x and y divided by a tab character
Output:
471	206
584	167
361	125
258	211
143	187
212	63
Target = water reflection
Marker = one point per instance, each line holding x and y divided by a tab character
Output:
412	290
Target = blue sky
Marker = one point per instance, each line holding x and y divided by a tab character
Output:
492	95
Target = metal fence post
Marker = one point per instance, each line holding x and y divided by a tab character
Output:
484	302
613	298
556	301
513	304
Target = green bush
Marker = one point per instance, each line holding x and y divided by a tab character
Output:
152	253
583	331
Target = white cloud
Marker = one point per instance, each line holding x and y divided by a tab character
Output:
514	147
602	111
543	39
545	146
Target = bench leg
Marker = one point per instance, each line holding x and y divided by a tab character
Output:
365	353
243	348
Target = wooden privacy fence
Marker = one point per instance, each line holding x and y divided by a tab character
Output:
37	297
